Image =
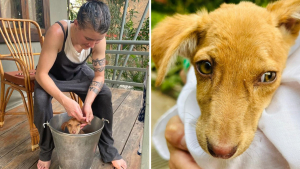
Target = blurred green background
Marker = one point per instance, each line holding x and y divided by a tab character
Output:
164	96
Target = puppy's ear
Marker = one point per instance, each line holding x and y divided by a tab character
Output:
63	126
287	17
177	35
224	5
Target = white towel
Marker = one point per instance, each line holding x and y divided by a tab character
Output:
276	144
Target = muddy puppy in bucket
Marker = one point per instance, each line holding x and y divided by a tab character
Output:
73	126
238	53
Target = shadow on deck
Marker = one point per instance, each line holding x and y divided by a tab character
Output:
15	149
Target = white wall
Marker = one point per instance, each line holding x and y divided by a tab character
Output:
58	11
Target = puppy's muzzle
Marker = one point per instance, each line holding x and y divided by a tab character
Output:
223	151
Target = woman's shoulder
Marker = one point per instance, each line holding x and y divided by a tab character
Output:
59	26
56	34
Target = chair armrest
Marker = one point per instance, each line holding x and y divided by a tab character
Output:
23	68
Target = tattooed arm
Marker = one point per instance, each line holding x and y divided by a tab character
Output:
98	60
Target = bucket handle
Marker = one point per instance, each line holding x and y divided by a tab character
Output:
105	120
47	123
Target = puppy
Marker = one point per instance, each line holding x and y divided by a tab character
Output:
238	53
73	126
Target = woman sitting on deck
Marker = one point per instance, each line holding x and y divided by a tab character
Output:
62	68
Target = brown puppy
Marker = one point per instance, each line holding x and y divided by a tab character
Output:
73	126
239	53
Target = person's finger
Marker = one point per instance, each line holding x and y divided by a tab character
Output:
175	133
91	117
87	115
83	125
79	114
181	160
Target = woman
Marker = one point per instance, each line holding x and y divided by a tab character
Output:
62	68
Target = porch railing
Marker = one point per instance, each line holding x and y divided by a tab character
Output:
116	79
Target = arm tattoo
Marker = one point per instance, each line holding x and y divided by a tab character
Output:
99	69
95	90
96	86
100	62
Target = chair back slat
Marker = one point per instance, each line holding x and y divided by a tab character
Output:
20	38
17	36
7	40
28	45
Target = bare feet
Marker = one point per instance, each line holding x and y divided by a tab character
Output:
43	164
119	164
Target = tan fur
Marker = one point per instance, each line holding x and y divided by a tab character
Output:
73	126
242	42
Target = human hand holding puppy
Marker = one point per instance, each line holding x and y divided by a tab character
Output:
88	113
180	158
84	114
73	109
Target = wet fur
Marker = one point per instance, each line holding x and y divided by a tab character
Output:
242	41
73	126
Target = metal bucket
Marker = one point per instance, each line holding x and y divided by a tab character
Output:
75	151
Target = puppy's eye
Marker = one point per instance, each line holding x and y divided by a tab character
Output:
204	67
268	77
69	125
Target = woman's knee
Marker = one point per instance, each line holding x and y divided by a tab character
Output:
105	92
40	95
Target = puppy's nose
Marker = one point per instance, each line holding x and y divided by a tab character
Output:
224	152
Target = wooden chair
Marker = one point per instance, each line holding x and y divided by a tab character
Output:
17	34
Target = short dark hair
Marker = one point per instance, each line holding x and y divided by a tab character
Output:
96	14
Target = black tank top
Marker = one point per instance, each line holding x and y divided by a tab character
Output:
63	68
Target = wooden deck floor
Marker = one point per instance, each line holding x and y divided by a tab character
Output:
15	143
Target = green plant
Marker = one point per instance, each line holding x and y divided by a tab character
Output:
136	61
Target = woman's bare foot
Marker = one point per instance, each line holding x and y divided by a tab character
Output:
43	164
119	164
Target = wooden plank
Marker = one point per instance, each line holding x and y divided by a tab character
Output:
34	166
98	163
11	121
15	137
130	151
118	96
125	117
20	157
57	107
116	93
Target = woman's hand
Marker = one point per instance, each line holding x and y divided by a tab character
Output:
87	112
180	158
73	109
